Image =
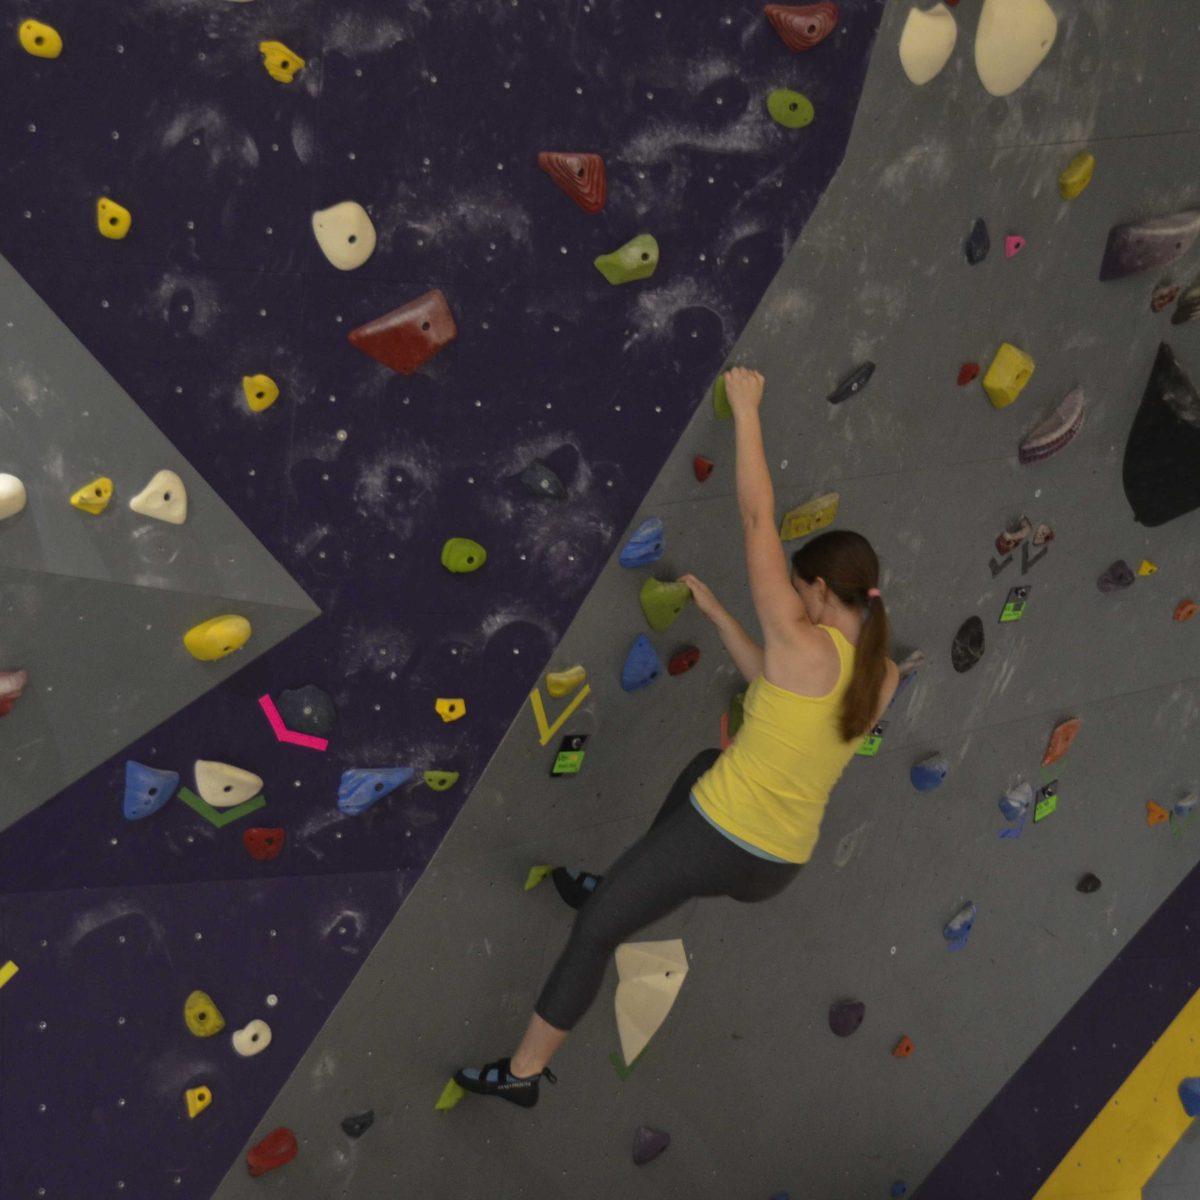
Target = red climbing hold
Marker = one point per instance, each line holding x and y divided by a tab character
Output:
967	372
12	684
702	466
275	1150
1185	610
264	844
1061	738
409	336
683	660
903	1048
581	176
802	26
1156	814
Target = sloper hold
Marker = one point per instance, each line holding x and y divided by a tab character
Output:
702	467
147	789
1058	430
197	1100
263	843
440	781
1010	371
1061	737
1139	245
261	391
202	1017
462	555
1188	308
539	480
929	773
12	496
580	176
802	26
812	515
1088	883
345	234
642	665
1016	802
645	545
361	787
252	1039
683	660
1161	471
662	602
967	648
978	243
852	384
648	1144
1118	576
563	683
164	498
1011	41
637	259
307	709
406	338
280	62
277	1149
217	637
926	43
792	110
1076	175
450	708
357	1124
1189	1096
845	1016
113	220
12	687
958	929
223	785
39	39
93	497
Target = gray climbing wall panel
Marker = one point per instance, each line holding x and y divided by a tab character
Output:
757	1094
95	607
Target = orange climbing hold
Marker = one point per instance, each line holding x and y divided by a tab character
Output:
802	26
580	176
1156	814
903	1048
1061	738
1185	610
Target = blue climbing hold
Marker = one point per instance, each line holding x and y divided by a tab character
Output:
899	1188
958	928
642	665
362	787
645	545
1189	1096
1014	804
147	789
929	773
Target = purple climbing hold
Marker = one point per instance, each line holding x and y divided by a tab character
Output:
646	544
1056	431
845	1016
1119	575
959	927
1189	1096
642	665
978	242
1140	245
362	787
147	789
852	384
929	773
648	1144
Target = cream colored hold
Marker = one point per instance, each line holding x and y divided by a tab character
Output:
254	1039
926	43
1012	39
225	786
12	496
345	234
649	975
164	498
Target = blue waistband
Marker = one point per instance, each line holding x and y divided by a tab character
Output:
737	841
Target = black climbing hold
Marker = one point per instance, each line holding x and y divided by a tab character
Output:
357	1124
648	1144
1088	883
541	481
852	384
845	1016
967	647
1119	575
1161	473
978	244
307	710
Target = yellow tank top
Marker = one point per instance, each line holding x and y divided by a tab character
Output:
770	788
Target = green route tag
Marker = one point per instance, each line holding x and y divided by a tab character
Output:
1014	606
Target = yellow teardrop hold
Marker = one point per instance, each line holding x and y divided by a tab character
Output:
94	497
42	41
1076	175
112	219
261	391
563	683
202	1017
450	710
281	63
198	1099
812	514
217	637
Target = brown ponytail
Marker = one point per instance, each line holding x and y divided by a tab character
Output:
850	568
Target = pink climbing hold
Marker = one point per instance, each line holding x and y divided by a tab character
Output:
289	736
1013	245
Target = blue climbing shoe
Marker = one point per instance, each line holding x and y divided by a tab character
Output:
574	886
495	1079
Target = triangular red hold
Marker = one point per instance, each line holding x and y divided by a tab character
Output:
683	660
802	26
276	1149
967	372
581	176
264	844
702	466
409	336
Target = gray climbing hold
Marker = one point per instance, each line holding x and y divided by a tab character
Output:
362	787
307	709
1016	802
1140	245
1119	575
1056	431
540	480
958	928
929	773
1186	804
967	648
147	789
978	243
642	665
645	545
357	1124
845	1016
852	384
648	1144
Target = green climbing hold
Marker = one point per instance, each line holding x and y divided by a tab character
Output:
721	409
451	1095
440	781
736	714
536	875
461	555
637	259
792	110
663	602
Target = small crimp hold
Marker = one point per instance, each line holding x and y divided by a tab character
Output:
202	1017
1076	175
93	497
563	683
450	709
197	1100
462	555
281	63
113	220
683	660
261	391
852	384
703	467
440	781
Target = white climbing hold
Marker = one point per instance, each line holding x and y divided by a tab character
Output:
225	786
926	43
164	498
254	1039
1012	39
345	234
12	496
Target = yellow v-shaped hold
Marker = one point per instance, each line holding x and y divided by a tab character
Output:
545	730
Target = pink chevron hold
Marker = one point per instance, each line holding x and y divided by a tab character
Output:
283	733
1013	245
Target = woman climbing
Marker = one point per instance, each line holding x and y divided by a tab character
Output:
741	823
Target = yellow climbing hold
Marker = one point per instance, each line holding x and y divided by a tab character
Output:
40	40
202	1017
811	515
217	637
536	875
281	63
198	1099
7	971
1010	371
450	710
94	497
112	219
261	391
563	683
451	1095
1146	567
1076	175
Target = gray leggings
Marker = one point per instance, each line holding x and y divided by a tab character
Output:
680	857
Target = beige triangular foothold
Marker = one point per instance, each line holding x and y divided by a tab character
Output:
254	1039
345	234
164	498
1012	39
926	43
224	786
12	496
650	975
